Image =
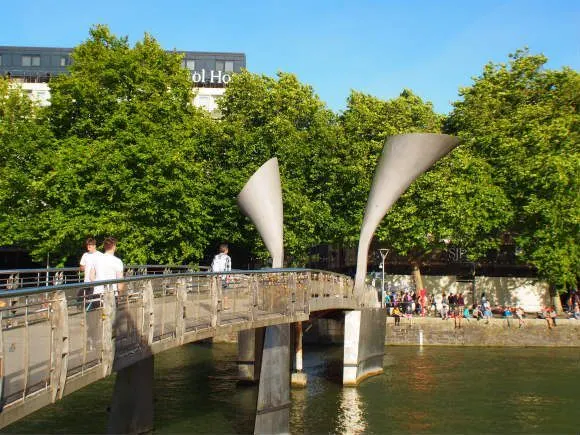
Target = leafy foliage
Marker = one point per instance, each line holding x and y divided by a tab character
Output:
122	151
126	158
263	118
456	200
25	141
524	121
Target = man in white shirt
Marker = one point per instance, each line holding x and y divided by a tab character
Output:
223	263
107	266
89	258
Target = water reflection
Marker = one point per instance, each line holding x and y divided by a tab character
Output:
299	401
429	390
351	412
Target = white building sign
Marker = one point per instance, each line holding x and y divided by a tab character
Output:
217	77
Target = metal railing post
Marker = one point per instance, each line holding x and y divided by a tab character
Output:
148	312
180	300
215	300
108	318
291	285
60	344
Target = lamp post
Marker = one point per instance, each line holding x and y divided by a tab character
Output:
473	282
384	253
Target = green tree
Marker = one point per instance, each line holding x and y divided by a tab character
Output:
455	201
367	123
24	139
266	117
127	161
523	120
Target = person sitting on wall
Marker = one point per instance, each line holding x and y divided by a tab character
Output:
553	315
457	315
487	311
477	312
466	313
432	305
388	303
507	312
444	307
545	313
520	316
397	315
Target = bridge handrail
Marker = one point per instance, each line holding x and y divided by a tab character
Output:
76	268
11	279
28	291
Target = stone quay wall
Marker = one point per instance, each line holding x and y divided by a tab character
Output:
433	331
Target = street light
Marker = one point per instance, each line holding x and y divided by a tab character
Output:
384	253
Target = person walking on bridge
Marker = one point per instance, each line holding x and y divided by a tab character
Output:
87	266
108	266
89	258
222	262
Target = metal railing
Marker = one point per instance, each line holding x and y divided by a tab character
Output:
56	339
29	278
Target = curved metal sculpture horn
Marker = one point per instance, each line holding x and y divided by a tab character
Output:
261	201
404	158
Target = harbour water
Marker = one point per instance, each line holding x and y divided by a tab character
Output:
423	390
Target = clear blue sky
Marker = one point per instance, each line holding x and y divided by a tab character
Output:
377	47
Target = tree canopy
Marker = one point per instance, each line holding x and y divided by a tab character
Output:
25	142
266	117
125	161
122	151
523	120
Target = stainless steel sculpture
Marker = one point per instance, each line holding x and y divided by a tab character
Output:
261	201
404	158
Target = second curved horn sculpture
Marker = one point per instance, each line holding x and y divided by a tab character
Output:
404	158
261	201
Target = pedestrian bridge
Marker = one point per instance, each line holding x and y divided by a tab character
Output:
55	340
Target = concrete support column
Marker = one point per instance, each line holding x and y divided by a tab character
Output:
273	408
299	378
250	345
132	403
364	344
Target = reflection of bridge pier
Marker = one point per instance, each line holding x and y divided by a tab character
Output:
364	338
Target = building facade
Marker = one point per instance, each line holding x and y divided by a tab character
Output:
33	67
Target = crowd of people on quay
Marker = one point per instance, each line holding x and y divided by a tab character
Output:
408	303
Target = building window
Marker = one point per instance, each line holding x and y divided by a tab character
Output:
224	65
190	64
30	60
62	61
0	60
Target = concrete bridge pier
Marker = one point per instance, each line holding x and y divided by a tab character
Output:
364	344
273	408
132	404
250	345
